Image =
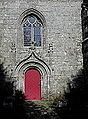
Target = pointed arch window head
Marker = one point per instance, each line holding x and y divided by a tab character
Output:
32	29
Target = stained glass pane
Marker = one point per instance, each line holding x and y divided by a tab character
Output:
31	20
37	40
32	31
37	35
27	30
27	35
37	30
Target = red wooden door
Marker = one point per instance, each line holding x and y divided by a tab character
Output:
32	85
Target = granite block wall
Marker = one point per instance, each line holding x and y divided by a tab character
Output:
62	46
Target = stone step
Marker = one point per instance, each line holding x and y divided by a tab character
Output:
37	110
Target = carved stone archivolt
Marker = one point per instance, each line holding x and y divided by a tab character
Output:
33	62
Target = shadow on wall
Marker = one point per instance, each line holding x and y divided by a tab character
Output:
14	106
11	105
76	99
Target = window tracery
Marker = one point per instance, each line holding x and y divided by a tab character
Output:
32	29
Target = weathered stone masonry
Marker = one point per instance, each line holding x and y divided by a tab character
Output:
60	56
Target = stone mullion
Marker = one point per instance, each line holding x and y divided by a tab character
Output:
32	35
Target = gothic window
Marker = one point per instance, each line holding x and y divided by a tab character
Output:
32	29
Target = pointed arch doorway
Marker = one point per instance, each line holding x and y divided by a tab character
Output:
32	85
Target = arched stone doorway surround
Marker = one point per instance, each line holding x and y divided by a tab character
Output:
33	62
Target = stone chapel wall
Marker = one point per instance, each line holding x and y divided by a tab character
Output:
62	48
